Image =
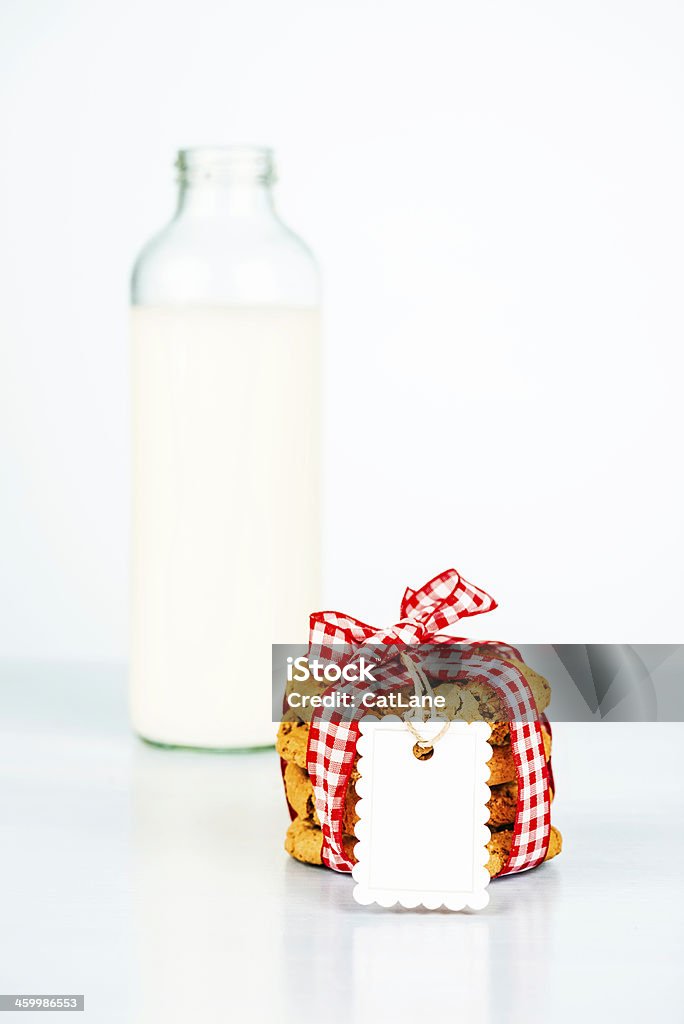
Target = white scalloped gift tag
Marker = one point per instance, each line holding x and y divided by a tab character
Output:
422	823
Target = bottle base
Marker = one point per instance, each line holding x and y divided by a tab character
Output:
205	750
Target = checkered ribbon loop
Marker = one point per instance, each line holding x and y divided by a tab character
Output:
440	603
336	637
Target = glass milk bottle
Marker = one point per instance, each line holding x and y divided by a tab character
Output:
225	532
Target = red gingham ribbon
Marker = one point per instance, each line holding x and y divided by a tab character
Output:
439	603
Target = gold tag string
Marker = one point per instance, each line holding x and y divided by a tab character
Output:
421	687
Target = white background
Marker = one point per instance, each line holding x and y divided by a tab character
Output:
494	193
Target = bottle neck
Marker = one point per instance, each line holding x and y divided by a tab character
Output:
225	182
229	200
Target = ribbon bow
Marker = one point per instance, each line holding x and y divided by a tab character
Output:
441	602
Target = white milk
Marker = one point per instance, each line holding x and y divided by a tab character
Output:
225	515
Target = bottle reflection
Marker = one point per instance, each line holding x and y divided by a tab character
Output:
197	842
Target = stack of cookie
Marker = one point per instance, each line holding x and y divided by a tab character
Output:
477	701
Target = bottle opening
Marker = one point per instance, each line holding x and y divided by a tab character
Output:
240	164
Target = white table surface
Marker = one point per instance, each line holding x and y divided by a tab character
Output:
155	882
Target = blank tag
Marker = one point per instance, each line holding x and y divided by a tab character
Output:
422	823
